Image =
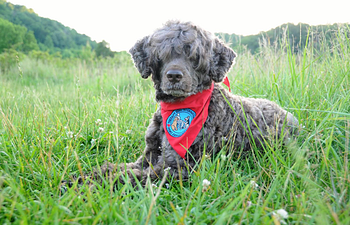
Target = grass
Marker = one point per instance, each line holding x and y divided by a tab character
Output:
50	130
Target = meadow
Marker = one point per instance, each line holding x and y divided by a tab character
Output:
61	118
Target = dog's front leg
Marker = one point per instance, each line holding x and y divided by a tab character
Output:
153	148
140	169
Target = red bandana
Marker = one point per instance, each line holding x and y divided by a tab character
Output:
182	121
227	83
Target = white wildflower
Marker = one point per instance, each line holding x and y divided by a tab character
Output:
167	169
70	134
249	203
280	215
128	132
167	185
117	102
254	184
205	184
154	185
93	141
98	122
100	129
223	157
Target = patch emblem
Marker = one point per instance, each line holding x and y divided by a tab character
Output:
179	121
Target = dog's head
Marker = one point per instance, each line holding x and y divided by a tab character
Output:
183	60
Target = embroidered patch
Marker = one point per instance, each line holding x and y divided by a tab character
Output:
179	121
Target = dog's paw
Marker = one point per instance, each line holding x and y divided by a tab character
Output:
64	186
76	183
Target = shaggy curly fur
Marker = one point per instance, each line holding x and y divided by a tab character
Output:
200	58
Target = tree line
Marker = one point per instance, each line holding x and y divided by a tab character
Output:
21	29
296	36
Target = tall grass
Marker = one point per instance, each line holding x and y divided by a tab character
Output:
60	119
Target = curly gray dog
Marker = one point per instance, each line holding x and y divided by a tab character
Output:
186	61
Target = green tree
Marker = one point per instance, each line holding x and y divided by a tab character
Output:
29	42
86	53
39	55
103	50
67	54
48	42
11	35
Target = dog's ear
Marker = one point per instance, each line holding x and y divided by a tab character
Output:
221	61
140	56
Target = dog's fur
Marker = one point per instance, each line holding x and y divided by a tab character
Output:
243	123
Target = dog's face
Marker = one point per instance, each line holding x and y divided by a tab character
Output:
175	76
183	60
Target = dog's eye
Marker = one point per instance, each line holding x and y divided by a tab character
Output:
196	62
187	50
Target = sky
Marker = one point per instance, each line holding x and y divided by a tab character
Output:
122	22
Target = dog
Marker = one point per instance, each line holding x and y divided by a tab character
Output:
187	65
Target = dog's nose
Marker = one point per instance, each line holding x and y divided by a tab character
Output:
174	75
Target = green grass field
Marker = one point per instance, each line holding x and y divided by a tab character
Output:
60	118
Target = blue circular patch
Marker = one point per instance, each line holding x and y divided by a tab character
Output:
179	121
